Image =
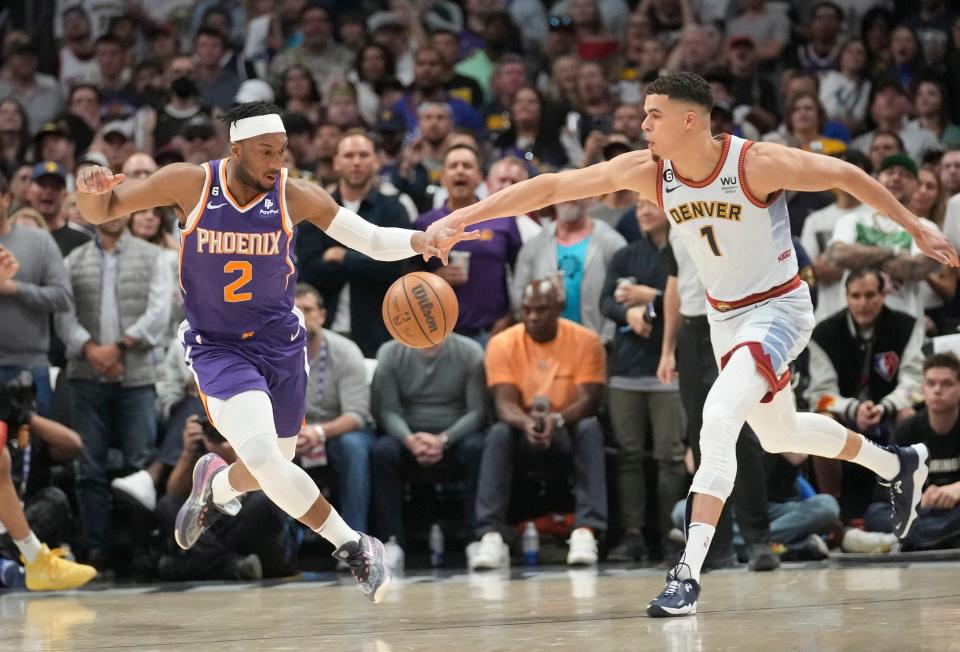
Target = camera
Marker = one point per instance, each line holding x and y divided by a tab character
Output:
17	402
209	432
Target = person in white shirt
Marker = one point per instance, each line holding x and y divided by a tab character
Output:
818	233
870	239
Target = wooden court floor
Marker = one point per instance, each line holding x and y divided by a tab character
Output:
878	607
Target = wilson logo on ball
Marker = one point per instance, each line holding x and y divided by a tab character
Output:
423	300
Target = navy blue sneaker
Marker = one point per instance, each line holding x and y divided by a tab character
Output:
906	488
678	598
365	559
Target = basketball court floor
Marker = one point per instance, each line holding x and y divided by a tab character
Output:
899	606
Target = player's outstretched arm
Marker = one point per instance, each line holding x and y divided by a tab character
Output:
311	203
770	167
631	171
103	196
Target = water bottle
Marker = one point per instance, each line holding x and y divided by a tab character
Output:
531	545
11	574
436	545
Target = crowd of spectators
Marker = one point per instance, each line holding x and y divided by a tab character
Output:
546	399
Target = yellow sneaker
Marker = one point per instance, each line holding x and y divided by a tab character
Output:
51	572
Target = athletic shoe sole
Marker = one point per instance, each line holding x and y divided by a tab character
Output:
656	611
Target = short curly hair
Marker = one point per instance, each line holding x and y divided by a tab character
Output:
684	87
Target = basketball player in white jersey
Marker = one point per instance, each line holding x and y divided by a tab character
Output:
724	195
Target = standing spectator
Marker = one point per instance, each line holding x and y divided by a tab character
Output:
118	98
845	92
641	408
864	367
326	60
352	284
889	108
39	94
869	239
338	409
431	405
822	50
38	288
581	249
14	135
478	268
546	376
938	522
77	65
750	87
933	112
218	84
121	288
818	232
47	191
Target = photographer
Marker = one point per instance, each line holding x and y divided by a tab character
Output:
29	445
248	546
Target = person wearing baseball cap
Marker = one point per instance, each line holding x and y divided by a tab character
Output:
46	194
898	174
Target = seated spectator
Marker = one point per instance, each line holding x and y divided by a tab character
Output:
325	59
532	134
431	406
803	127
40	95
817	234
373	65
936	426
869	239
933	112
338	420
578	247
884	144
121	287
32	512
864	367
546	376
889	107
299	93
845	92
248	546
796	521
610	208
478	268
32	289
428	87
14	135
641	408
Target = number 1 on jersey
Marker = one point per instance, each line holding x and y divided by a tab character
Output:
230	294
707	232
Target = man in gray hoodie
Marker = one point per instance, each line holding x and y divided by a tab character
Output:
39	288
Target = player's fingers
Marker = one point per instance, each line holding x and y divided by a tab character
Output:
117	178
468	235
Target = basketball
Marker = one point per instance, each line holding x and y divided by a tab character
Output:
420	310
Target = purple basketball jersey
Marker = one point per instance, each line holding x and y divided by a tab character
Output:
236	273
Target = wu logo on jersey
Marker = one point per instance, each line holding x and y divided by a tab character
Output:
267	206
728	184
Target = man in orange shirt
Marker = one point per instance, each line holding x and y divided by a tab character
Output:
546	376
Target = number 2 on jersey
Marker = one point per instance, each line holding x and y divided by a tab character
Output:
230	294
707	232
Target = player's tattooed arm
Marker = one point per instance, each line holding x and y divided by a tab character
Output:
857	256
907	269
103	196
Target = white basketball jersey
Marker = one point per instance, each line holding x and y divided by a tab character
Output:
740	244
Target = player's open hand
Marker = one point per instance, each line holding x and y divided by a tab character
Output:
97	180
437	243
8	264
935	245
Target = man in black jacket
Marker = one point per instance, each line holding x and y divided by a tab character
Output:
353	285
641	407
865	366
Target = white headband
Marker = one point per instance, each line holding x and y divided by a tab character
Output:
256	126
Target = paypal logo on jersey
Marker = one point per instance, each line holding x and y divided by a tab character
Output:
267	206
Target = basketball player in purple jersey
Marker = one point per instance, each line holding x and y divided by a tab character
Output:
243	339
725	198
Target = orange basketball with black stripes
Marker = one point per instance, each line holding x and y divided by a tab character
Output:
420	310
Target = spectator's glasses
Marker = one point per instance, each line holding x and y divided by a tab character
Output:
561	22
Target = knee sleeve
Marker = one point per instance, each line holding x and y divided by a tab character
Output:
285	483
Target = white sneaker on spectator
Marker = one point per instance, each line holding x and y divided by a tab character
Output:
138	486
583	548
489	554
393	556
856	540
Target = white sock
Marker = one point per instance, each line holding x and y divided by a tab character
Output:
336	531
879	460
223	492
29	547
699	536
